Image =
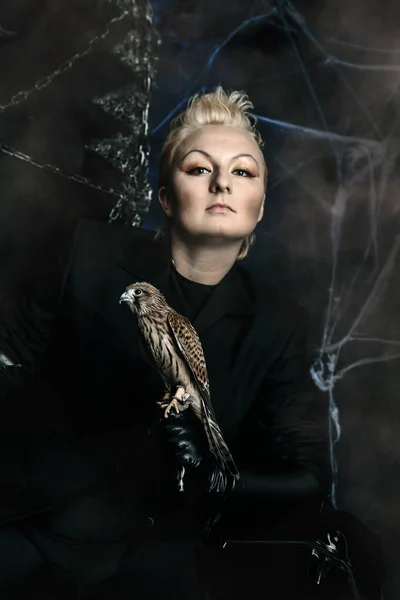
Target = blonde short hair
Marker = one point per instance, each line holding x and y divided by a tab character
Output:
213	108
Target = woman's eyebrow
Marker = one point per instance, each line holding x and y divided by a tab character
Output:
210	157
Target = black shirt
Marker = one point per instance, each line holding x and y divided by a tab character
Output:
190	295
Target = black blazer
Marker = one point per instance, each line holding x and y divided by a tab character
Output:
86	348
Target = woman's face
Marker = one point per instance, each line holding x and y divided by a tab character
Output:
217	185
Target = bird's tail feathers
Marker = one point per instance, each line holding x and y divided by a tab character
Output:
219	478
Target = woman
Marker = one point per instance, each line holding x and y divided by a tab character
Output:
109	464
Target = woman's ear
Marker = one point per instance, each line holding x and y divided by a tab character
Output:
261	213
164	201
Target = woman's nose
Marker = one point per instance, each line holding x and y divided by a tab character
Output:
221	183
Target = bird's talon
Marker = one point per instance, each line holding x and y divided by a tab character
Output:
170	406
163	405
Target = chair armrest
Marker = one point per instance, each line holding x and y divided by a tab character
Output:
263	505
291	486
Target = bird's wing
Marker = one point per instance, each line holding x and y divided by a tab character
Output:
190	346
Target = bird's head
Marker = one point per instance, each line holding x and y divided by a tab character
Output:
143	298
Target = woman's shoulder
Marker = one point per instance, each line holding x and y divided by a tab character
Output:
103	239
90	231
264	270
271	303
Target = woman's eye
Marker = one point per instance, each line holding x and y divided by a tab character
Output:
198	171
243	173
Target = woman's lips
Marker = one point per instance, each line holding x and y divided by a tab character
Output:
220	208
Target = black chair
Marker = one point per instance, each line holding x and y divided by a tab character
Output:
326	554
330	552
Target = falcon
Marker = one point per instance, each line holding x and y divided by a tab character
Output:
177	354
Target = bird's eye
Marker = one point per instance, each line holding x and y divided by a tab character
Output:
137	292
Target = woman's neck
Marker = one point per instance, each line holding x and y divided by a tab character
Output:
202	263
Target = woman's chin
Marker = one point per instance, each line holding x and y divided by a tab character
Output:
220	238
212	234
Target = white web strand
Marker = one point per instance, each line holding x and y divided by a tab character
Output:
65	66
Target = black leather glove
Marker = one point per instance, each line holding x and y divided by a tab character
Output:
187	442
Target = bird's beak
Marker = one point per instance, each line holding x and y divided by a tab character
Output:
124	298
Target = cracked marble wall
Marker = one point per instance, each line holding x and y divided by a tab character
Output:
74	100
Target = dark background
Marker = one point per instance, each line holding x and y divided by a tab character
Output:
324	78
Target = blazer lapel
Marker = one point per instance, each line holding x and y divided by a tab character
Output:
150	260
230	297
